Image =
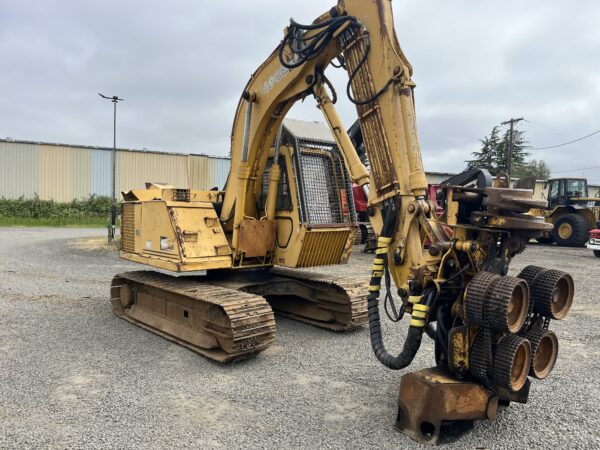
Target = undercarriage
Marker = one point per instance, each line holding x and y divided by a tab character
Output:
229	315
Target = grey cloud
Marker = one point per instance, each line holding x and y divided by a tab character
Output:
182	65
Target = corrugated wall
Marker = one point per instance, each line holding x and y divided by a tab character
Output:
202	172
221	171
19	170
101	172
65	173
134	169
436	178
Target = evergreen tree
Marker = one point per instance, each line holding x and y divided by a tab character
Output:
538	169
486	157
493	155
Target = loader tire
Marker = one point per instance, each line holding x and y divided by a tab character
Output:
571	230
597	253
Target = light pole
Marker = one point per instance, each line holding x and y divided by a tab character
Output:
113	214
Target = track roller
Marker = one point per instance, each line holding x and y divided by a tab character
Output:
512	362
544	351
530	274
553	292
477	290
508	304
478	359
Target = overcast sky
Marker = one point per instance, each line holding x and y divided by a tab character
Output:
181	66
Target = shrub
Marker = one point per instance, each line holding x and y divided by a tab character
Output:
93	207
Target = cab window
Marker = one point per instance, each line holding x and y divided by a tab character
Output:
576	188
553	192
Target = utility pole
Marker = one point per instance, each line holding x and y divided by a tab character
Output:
113	214
510	122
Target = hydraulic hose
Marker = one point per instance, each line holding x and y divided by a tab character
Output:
421	304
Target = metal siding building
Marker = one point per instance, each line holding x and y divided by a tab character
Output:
101	166
221	172
67	172
19	170
134	169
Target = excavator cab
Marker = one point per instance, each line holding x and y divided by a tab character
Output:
315	206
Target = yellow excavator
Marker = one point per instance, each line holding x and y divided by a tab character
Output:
234	255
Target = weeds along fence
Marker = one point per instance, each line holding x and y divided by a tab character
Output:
95	207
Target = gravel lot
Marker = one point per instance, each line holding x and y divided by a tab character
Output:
73	375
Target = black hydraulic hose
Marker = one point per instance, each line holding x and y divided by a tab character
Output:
431	331
418	323
411	344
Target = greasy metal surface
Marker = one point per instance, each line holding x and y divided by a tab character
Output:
430	397
221	324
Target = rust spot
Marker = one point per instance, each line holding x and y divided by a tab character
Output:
406	91
381	14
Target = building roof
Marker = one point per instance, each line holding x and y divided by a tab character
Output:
94	147
308	130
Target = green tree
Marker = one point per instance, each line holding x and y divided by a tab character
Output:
493	155
486	157
538	169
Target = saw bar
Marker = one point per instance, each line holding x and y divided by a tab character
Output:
219	323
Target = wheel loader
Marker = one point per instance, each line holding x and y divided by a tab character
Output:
230	258
572	212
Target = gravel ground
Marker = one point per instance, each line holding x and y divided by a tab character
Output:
73	375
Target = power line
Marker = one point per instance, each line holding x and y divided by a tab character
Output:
567	143
576	170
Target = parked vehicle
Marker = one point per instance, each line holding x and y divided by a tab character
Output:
593	242
571	210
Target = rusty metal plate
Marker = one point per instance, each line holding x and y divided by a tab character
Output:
256	237
519	200
430	397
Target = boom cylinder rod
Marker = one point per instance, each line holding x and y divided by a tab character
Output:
274	177
247	129
417	179
243	174
358	171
